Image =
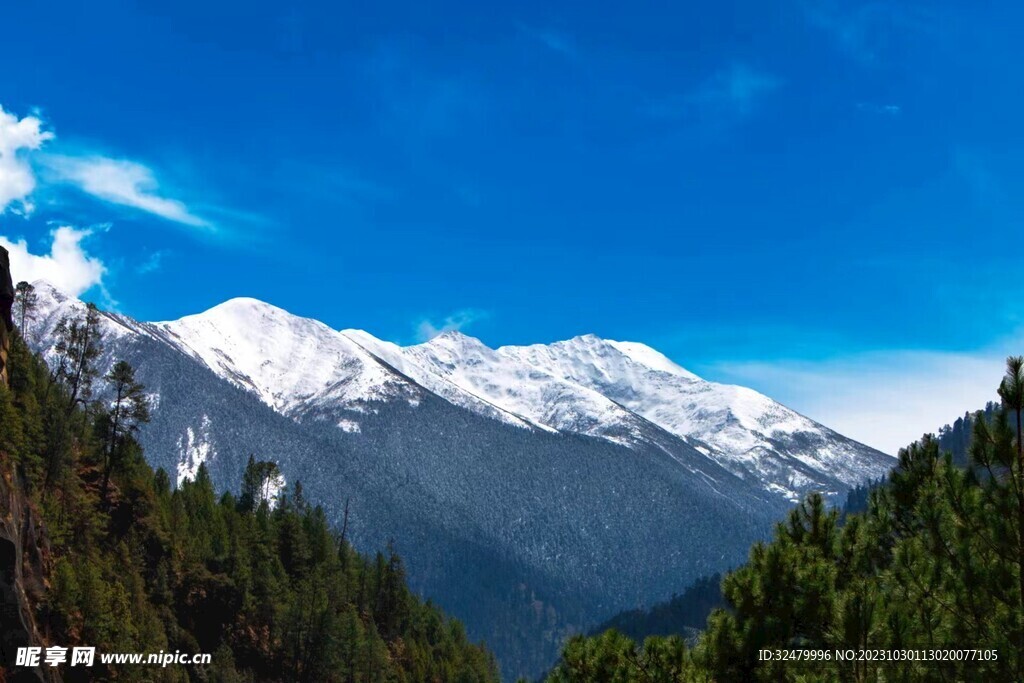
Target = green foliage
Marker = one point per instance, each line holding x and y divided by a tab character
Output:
138	566
934	562
79	345
613	658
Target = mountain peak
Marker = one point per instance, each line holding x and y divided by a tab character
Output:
242	304
453	335
48	291
652	358
243	313
454	340
597	351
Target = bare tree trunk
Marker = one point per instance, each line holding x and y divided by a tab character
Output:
344	524
108	466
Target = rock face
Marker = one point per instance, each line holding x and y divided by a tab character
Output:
22	539
23	549
6	302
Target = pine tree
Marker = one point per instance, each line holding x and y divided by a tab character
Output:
79	345
129	409
1011	391
258	481
26	301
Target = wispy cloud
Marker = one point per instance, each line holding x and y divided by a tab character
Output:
121	182
883	109
68	266
417	101
25	168
735	88
18	137
555	41
428	329
863	31
152	263
340	184
728	96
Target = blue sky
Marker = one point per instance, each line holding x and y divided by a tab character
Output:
817	199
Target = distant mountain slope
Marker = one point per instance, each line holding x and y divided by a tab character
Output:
685	614
530	498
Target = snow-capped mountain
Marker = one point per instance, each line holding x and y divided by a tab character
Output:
287	361
607	389
532	490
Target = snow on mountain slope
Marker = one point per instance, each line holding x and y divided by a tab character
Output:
285	360
53	305
648	357
522	389
396	357
747	432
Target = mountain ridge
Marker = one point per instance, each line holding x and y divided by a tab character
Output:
585	384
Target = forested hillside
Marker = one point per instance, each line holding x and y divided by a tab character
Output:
935	562
116	559
683	614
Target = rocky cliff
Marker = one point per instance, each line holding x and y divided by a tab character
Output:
6	302
23	545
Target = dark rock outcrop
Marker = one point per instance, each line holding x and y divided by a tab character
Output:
23	551
22	541
6	303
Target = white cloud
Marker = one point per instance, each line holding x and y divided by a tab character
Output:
67	267
123	182
18	136
117	181
427	329
885	399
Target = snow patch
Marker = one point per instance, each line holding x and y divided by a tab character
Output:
194	449
349	426
273	489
